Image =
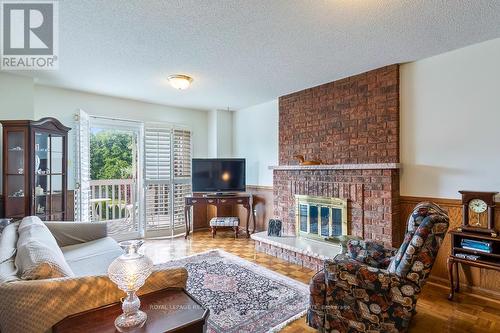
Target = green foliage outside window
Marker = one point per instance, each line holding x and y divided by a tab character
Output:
110	155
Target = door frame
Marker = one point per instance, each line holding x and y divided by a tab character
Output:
138	128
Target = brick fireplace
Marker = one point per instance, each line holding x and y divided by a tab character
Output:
352	126
372	196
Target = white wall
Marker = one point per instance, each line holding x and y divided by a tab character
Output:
16	97
220	133
224	133
450	122
255	137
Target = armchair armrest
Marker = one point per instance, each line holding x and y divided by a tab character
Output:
70	233
316	312
37	305
372	253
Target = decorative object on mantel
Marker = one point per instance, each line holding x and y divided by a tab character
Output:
274	228
478	212
302	160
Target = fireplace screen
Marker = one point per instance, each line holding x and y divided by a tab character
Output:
321	217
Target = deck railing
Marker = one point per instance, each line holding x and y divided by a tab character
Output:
113	199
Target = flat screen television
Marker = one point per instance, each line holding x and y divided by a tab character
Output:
218	175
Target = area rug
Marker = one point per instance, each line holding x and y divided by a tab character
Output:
242	296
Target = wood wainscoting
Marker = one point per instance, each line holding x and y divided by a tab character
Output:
263	206
472	280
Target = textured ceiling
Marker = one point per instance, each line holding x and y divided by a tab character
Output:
244	52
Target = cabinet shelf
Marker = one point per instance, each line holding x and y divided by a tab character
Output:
478	253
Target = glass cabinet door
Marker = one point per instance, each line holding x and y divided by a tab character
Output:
41	191
56	177
49	177
15	172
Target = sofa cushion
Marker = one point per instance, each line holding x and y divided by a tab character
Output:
29	221
8	241
92	258
38	255
229	221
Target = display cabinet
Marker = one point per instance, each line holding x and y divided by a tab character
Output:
35	168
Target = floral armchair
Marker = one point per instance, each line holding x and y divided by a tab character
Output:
372	288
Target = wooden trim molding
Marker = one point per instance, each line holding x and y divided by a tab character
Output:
490	295
260	187
439	201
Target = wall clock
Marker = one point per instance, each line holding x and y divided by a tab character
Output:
478	212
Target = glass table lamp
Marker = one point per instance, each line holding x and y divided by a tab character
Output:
130	271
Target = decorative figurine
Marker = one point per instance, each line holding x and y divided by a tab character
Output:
274	228
302	161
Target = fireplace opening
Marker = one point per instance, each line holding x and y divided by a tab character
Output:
321	218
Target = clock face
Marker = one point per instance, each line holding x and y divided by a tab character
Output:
478	206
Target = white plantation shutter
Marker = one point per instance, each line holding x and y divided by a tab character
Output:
182	175
182	153
82	165
158	153
167	177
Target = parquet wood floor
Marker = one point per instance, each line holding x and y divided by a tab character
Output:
434	312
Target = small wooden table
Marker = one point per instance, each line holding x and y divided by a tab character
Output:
243	199
169	311
486	260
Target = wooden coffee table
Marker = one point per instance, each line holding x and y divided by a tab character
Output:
168	310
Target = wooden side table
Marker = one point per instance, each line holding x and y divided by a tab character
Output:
169	311
242	199
486	260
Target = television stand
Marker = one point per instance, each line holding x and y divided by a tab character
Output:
218	200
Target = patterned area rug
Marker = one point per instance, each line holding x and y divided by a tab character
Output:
242	296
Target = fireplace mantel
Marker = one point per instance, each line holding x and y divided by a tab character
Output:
369	166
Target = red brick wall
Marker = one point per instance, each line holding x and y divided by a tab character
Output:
372	195
350	121
353	120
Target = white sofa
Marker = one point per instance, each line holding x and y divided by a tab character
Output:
36	305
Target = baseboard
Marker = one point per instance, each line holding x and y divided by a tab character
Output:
472	291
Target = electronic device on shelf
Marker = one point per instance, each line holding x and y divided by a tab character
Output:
218	176
477	245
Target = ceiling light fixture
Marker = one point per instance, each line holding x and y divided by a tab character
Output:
179	81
